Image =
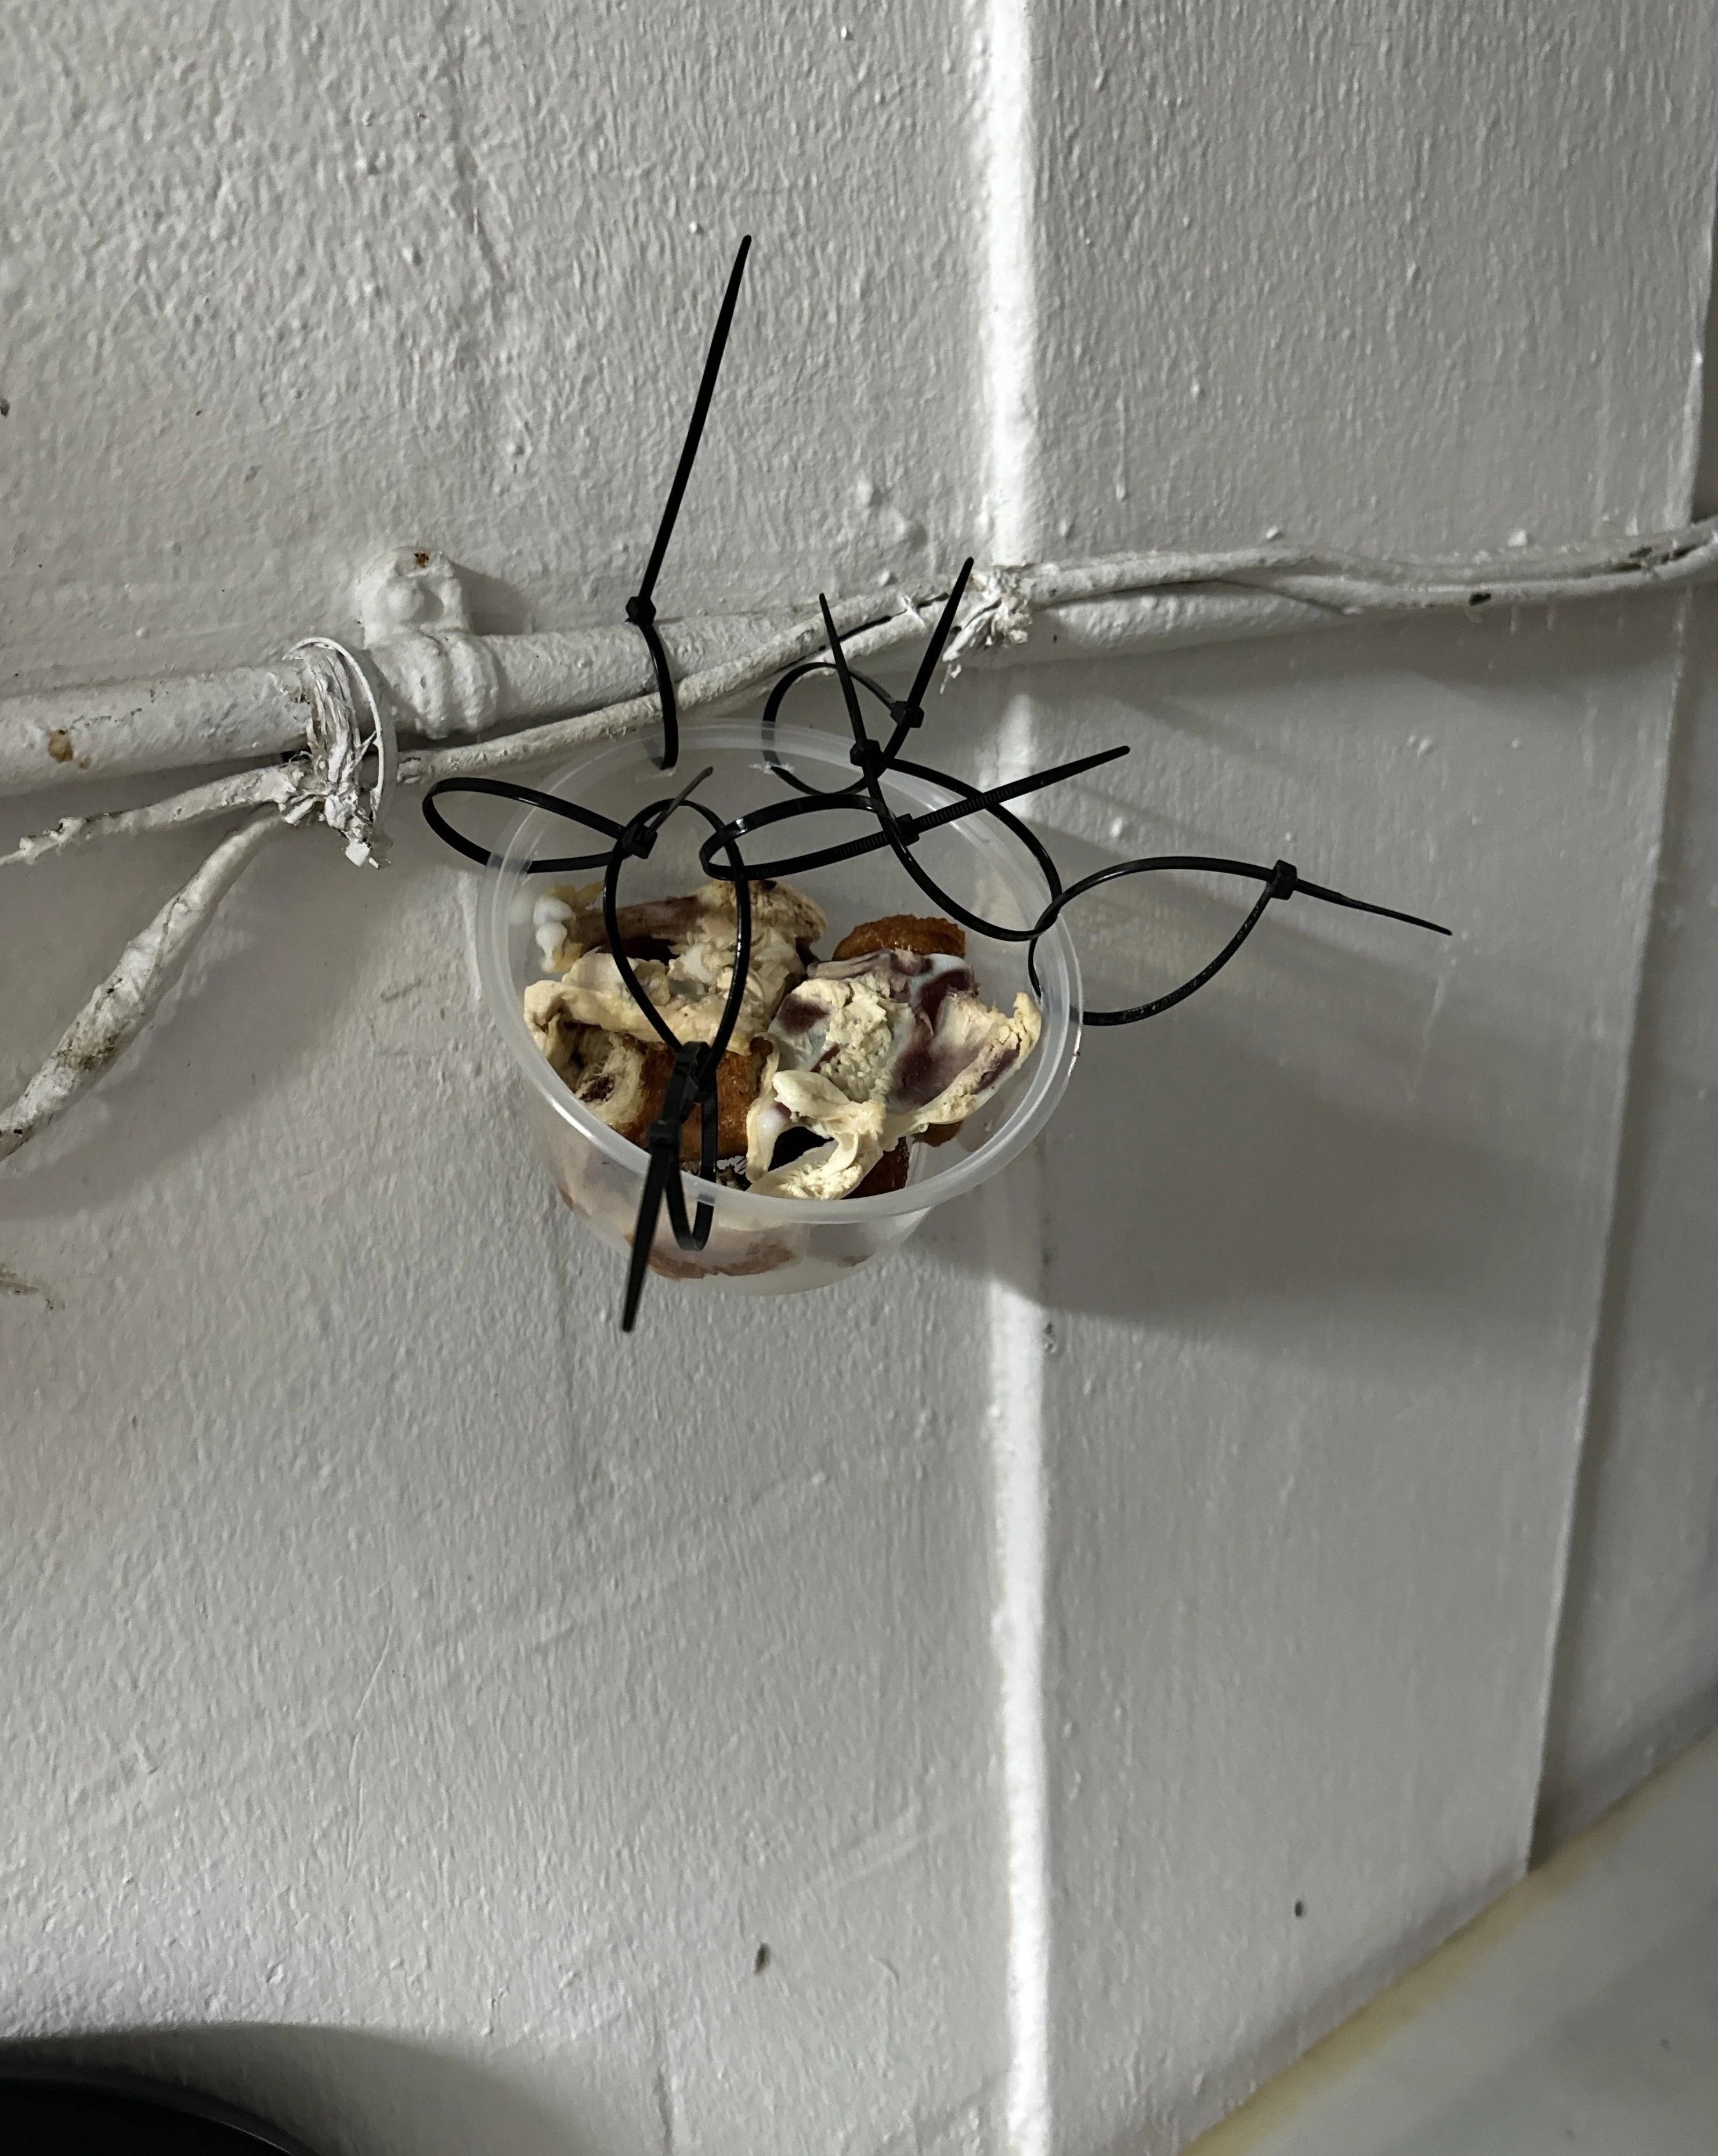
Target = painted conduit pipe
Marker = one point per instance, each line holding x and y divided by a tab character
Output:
445	682
450	685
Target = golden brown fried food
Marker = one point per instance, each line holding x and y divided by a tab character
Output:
890	1172
905	931
737	1082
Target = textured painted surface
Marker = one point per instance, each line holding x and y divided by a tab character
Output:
1321	1345
392	1649
423	1708
397	1660
1637	1673
1321	1334
1575	2015
1373	266
326	280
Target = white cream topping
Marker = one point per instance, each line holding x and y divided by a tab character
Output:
853	1128
900	1034
690	987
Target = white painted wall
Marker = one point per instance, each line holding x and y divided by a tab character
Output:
1638	1663
423	1704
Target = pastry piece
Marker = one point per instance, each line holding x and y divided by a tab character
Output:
926	933
550	1028
690	986
737	1082
623	1083
620	1080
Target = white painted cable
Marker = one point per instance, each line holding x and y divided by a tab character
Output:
120	1008
1046	611
330	779
276	784
716	685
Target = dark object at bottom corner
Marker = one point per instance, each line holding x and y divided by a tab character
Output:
61	2113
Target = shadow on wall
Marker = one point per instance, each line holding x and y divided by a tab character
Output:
344	2092
1645	1540
1236	1182
1351	1106
1320	1118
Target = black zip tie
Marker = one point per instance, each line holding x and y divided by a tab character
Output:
909	828
1282	881
900	833
693	1082
910	711
662	1178
504	789
640	607
771	710
904	712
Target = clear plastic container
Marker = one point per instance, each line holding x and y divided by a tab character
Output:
760	1245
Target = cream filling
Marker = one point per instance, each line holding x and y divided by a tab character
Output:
853	1129
848	1056
690	988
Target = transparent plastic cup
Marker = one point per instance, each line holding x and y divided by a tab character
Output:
763	1245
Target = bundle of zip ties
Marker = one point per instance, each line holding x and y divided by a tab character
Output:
692	1082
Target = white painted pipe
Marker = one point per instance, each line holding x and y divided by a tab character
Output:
445	682
446	685
442	683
